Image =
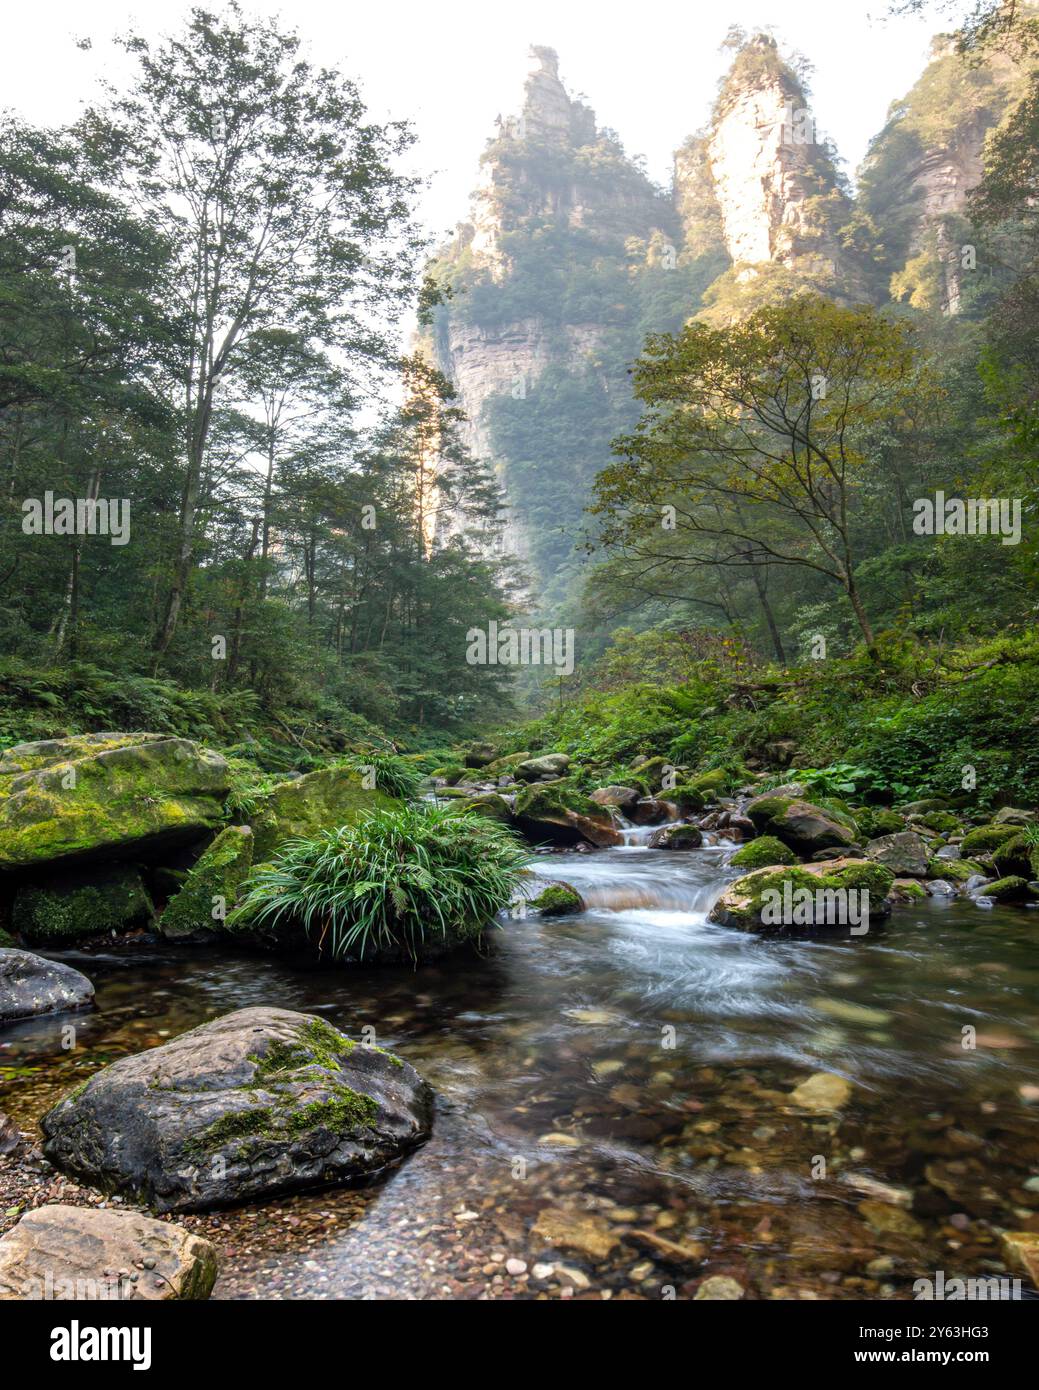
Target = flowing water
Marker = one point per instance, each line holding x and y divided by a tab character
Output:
615	1103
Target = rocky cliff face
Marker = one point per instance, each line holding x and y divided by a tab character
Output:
915	181
570	256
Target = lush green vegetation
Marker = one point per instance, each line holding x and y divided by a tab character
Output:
200	290
397	885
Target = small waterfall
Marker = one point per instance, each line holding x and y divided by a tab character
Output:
620	880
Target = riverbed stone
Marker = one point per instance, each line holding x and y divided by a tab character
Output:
719	1288
676	837
822	1092
558	900
801	825
906	853
100	795
31	986
743	903
549	765
562	815
614	795
257	1103
590	1235
1021	1252
64	1253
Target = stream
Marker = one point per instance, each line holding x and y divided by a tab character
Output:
623	1076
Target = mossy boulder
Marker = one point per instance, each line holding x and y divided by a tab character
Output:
907	890
803	826
562	815
1017	856
321	800
505	764
955	870
255	1104
537	769
687	798
211	887
1014	815
754	901
717	782
652	773
558	900
106	796
480	754
94	902
759	853
872	822
1011	889
676	837
986	838
489	804
942	822
450	773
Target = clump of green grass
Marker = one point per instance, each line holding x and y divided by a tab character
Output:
397	883
388	772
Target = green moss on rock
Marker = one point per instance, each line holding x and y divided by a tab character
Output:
321	800
1012	889
558	900
82	905
211	886
96	794
761	852
987	838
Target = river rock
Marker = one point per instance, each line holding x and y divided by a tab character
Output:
212	885
30	985
584	1232
823	1092
676	837
1021	1252
615	796
562	816
1013	815
551	765
92	902
558	899
753	902
257	1103
719	1288
480	754
648	811
80	1253
905	854
98	794
801	825
321	800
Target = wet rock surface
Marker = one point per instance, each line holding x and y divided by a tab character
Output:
258	1102
66	1253
31	986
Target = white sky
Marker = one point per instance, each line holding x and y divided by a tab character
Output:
649	71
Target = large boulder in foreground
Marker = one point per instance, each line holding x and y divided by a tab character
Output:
321	800
30	986
807	897
255	1104
100	795
801	825
79	1253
